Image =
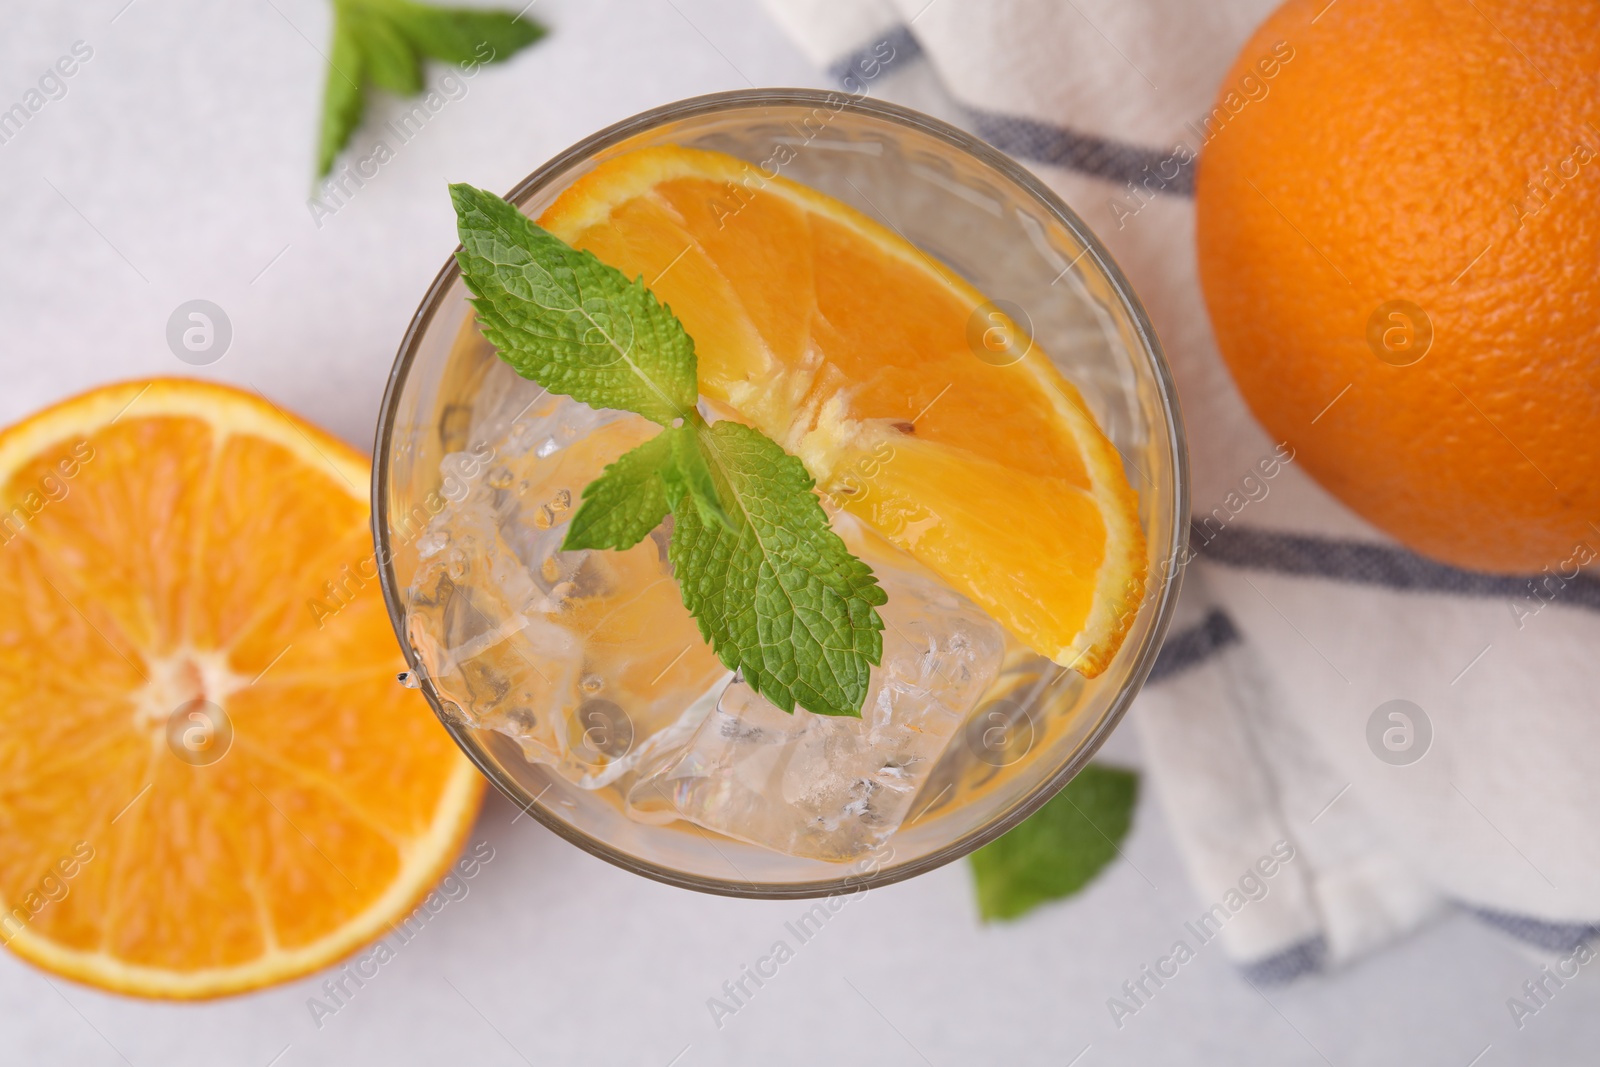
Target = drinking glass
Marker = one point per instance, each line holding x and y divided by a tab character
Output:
1004	231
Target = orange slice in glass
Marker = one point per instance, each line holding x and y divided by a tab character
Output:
209	777
852	348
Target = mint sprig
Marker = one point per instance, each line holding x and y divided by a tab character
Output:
774	590
384	42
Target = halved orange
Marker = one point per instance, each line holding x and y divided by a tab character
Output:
182	561
850	347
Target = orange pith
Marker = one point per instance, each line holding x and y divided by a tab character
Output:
849	347
172	542
1446	155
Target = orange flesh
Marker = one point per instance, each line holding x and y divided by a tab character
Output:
186	557
850	347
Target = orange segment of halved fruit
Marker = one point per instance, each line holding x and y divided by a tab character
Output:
209	777
850	347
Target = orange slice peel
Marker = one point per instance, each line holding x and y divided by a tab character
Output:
210	780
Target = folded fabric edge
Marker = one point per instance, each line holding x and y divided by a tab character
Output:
1311	955
1026	138
1197	644
1358	895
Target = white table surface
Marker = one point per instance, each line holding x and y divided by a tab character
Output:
177	166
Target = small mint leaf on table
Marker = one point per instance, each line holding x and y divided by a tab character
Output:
389	59
774	590
464	35
1058	849
384	42
568	321
343	98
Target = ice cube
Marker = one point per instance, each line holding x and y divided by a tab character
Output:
502	664
587	659
518	415
833	787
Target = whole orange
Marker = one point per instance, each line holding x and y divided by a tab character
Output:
1399	243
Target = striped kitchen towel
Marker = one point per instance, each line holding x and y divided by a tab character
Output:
1414	736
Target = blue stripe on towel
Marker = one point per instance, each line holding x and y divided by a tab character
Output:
1291	963
1385	565
1025	138
1098	157
1552	937
1193	645
870	58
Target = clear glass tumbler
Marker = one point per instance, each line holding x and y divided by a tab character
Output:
1010	236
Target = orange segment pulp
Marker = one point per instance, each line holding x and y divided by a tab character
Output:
849	346
182	560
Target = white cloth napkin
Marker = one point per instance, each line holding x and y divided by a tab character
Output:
1268	719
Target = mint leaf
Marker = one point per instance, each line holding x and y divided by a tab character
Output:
1059	848
342	96
383	43
691	475
629	499
390	60
776	592
568	321
465	35
633	494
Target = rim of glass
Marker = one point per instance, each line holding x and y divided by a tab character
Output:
1166	391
